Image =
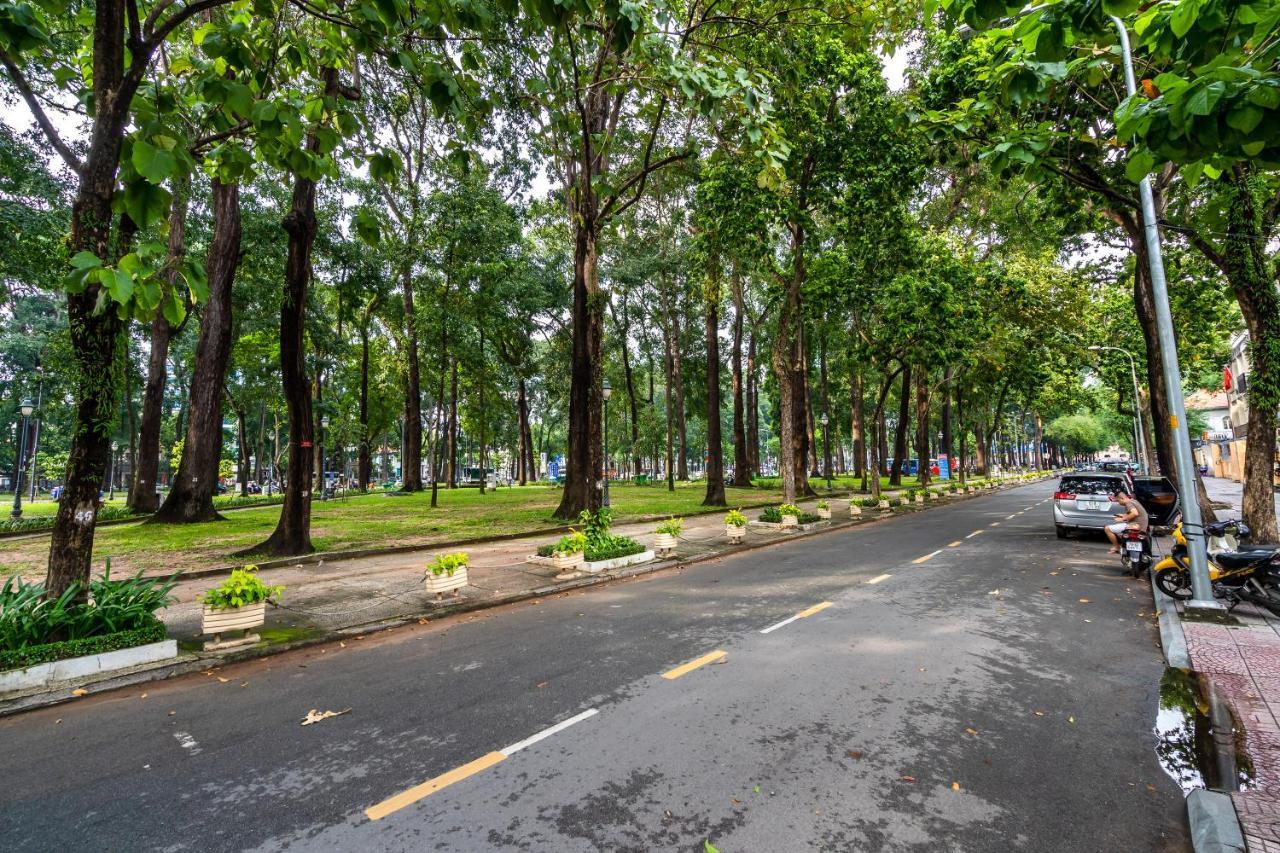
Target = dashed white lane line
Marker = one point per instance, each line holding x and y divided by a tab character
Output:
548	732
994	524
803	614
879	578
954	544
973	534
926	558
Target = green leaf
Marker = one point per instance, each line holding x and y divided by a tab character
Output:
1204	99
145	202
154	164
1184	17
1119	8
174	311
1244	118
86	261
1140	165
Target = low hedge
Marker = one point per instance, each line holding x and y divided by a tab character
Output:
49	652
619	546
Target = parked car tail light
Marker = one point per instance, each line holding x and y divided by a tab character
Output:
1064	496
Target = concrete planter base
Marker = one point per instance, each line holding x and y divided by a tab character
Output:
108	663
593	567
734	533
560	562
664	542
823	513
243	619
854	511
439	584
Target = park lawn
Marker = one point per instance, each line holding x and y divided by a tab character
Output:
364	521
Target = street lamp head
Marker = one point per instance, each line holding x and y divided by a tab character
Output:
26	407
324	421
606	391
824	419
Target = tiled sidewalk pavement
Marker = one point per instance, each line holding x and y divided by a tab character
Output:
1243	663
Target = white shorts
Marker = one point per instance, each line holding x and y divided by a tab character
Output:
1119	527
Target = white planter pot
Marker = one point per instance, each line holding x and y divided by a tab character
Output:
242	619
854	510
439	584
884	504
734	532
919	499
823	513
664	542
565	562
790	521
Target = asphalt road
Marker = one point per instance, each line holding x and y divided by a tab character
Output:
996	696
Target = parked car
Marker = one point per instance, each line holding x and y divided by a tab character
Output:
1083	501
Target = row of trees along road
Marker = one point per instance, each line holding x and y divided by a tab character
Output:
287	213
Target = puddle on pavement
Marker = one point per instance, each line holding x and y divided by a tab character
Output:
276	636
1199	742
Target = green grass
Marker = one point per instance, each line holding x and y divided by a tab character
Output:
365	521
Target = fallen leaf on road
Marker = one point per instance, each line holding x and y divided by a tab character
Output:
955	786
1071	719
1038	713
244	684
756	789
59	720
143	696
173	713
994	592
908	778
340	643
79	691
922	669
735	801
854	754
973	732
1084	601
542	684
223	680
314	716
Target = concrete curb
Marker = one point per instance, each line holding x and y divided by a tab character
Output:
1172	640
1214	825
196	662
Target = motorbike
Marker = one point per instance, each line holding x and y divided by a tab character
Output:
1135	551
1238	570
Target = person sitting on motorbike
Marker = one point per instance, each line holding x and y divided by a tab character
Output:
1134	515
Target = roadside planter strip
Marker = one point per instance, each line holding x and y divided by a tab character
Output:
596	566
69	669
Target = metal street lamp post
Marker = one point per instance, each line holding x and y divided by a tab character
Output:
324	491
606	392
25	408
1140	446
111	475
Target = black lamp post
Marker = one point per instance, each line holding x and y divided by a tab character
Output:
111	495
606	392
324	475
25	408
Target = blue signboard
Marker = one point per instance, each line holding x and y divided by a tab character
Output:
944	467
553	468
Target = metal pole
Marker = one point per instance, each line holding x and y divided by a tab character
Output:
1192	525
35	440
16	512
1141	446
606	452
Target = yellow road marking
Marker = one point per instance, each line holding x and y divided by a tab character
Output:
955	543
973	534
683	669
812	610
926	558
879	578
995	524
429	787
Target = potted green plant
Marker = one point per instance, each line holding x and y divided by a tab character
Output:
567	553
824	509
918	496
790	515
883	503
447	573
667	532
855	507
735	525
239	603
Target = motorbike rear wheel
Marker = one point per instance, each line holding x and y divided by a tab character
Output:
1175	583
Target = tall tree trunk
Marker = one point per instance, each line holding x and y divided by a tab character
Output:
677	393
741	455
878	441
190	497
293	531
900	434
980	448
1251	272
753	406
789	367
451	467
143	497
922	425
668	398
411	464
715	451
528	469
858	420
584	463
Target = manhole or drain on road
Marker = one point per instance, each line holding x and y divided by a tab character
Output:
1199	742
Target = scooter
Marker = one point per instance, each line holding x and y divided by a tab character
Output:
1238	571
1135	551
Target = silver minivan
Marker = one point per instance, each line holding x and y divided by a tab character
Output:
1083	501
